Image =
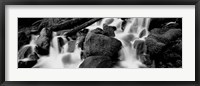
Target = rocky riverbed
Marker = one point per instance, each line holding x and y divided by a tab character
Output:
99	43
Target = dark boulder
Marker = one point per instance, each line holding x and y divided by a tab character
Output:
97	31
153	46
98	44
109	30
164	45
43	42
26	64
97	62
168	36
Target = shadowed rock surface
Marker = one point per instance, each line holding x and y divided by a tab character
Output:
97	62
43	42
140	46
162	48
27	57
98	44
109	30
164	44
24	52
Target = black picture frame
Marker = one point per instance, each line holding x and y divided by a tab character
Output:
99	2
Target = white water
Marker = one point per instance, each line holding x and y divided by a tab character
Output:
128	56
61	59
32	44
133	28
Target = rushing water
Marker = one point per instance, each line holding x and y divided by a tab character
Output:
59	57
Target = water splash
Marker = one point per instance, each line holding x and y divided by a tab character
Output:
135	29
59	57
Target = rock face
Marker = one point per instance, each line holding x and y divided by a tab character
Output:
27	58
101	45
109	30
97	62
168	36
82	34
43	42
164	44
97	31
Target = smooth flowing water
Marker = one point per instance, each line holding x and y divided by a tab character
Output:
134	29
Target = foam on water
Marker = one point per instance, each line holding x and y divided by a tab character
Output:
128	56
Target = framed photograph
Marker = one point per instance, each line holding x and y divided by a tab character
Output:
109	42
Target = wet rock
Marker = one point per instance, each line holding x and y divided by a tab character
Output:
143	33
172	55
24	52
26	64
109	30
43	42
165	47
171	25
60	43
153	46
97	62
159	31
98	44
71	46
168	36
41	51
124	23
81	42
33	56
82	34
140	46
109	21
145	59
27	57
97	31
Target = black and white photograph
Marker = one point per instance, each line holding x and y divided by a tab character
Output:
110	42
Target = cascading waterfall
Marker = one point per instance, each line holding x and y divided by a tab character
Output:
32	45
131	33
133	29
59	57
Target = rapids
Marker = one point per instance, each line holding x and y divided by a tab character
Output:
59	57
